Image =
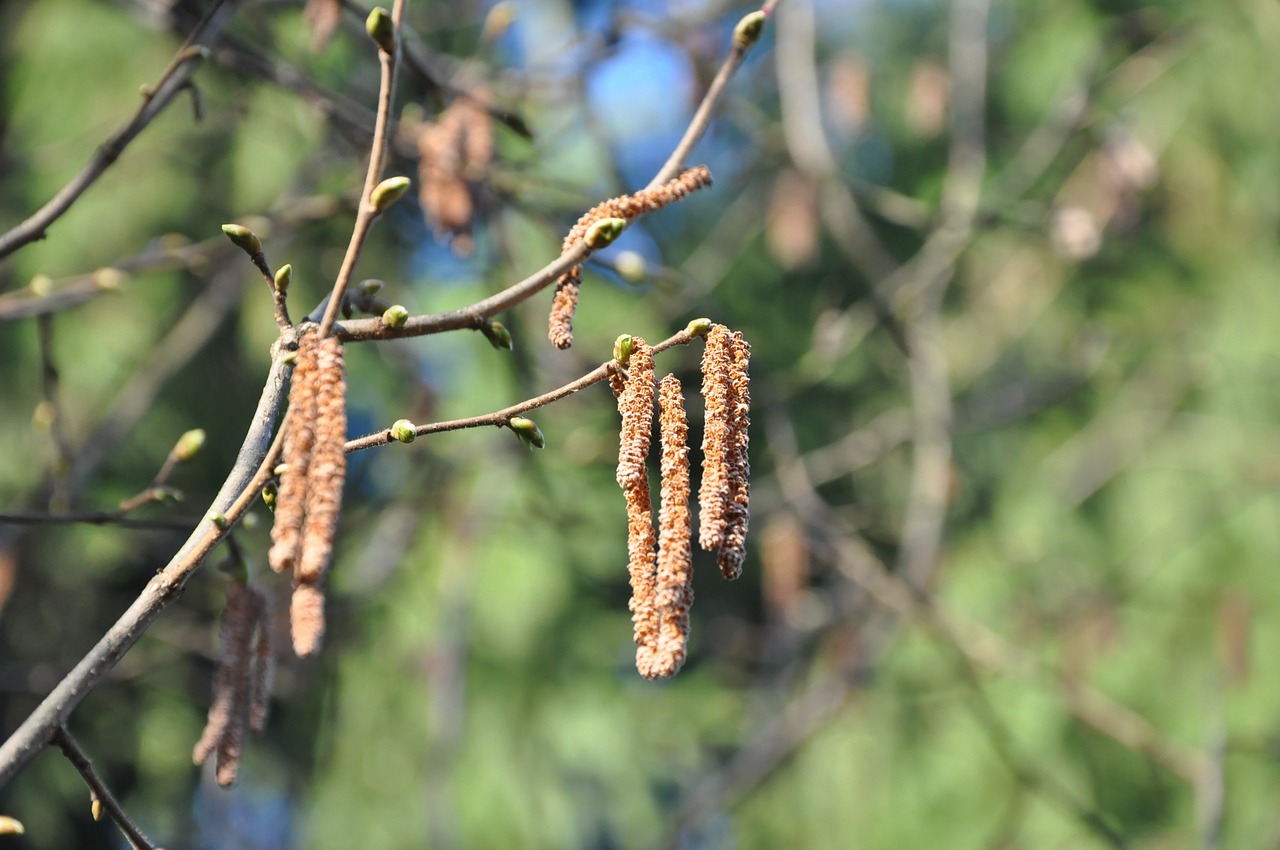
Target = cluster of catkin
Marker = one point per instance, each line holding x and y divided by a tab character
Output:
242	683
661	565
565	302
454	153
310	494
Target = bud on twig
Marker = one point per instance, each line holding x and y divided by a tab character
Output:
603	232
630	266
95	807
404	431
219	519
381	29
370	288
11	826
284	277
388	192
528	432
497	334
698	327
269	493
188	445
622	348
243	238
748	30
395	316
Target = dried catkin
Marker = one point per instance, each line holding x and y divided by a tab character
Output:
714	491
565	302
306	619
299	438
263	667
675	560
234	682
732	549
636	407
328	465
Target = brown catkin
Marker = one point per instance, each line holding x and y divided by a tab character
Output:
224	731
560	322
263	667
640	566
636	407
714	492
675	560
286	531
326	471
563	305
306	619
732	549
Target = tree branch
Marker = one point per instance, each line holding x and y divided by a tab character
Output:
101	793
171	83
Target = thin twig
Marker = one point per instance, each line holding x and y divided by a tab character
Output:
172	82
54	412
101	793
502	417
388	61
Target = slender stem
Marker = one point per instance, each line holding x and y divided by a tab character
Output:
98	518
172	82
502	417
99	789
377	156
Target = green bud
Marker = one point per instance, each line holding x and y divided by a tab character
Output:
269	493
250	521
108	279
698	327
528	432
281	469
11	826
395	316
164	494
189	444
622	348
41	285
498	335
284	277
748	30
369	288
219	519
381	29
388	192
243	238
95	808
404	431
288	357
603	232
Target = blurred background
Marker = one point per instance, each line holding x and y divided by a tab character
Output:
1009	273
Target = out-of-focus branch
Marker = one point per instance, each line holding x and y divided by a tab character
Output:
102	795
98	518
171	83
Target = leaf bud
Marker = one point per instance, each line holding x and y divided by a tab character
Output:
243	238
381	29
497	334
281	469
189	445
95	808
11	826
370	288
270	491
528	432
622	348
108	279
388	192
284	277
395	316
404	431
603	232
698	327
748	30
219	519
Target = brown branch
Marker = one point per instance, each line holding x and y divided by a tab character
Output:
377	156
171	83
500	418
101	793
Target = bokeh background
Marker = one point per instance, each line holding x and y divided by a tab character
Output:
1009	270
